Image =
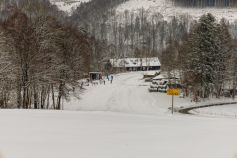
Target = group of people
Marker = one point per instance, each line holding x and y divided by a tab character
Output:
110	79
100	80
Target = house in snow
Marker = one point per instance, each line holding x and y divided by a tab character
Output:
136	64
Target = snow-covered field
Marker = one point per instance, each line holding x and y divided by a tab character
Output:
50	134
167	9
119	120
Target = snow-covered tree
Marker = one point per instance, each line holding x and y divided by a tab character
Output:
207	52
41	58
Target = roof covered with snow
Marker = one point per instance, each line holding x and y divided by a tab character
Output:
135	62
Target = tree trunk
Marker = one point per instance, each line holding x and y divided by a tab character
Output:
52	89
19	97
35	98
48	95
234	90
60	94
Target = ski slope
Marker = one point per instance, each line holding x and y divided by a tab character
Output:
166	8
119	120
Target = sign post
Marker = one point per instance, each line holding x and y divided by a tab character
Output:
172	104
173	92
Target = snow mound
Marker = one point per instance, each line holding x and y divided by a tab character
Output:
167	9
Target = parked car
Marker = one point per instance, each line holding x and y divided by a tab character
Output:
153	87
158	86
162	86
160	83
148	79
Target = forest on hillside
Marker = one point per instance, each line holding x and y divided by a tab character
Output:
126	34
131	34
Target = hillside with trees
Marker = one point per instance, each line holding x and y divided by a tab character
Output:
127	34
133	33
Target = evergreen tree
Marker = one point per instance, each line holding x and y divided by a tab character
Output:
203	56
222	55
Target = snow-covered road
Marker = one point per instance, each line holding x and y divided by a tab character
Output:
128	94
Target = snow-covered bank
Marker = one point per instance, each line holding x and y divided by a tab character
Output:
60	134
226	111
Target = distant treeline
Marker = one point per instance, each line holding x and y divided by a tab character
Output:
206	3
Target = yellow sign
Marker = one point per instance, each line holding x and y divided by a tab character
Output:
175	92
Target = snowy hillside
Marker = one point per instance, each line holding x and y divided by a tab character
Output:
67	5
164	7
167	9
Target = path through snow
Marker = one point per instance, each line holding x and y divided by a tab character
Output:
128	93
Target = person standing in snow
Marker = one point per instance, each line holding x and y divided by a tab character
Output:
111	79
